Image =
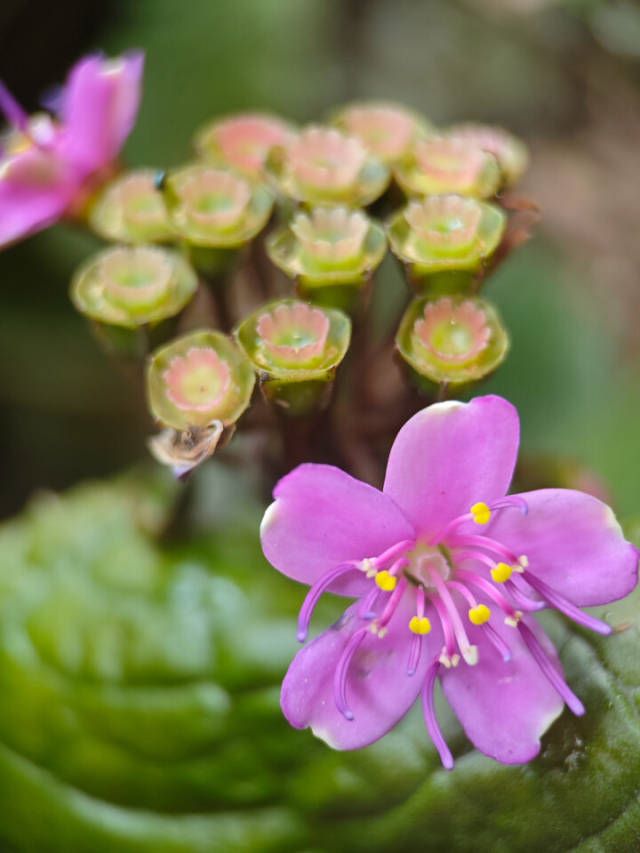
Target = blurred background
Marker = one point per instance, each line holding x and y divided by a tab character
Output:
563	75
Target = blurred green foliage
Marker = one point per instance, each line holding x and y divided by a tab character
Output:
140	707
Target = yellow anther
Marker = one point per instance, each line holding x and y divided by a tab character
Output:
479	614
386	581
420	625
481	513
501	572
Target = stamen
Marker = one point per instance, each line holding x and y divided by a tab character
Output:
512	501
380	627
501	572
486	544
522	600
479	615
416	641
342	671
467	650
12	110
447	656
315	593
499	644
430	719
550	671
513	615
555	599
391	553
386	581
480	513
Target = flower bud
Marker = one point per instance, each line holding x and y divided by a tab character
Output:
452	339
446	233
324	166
387	130
442	164
215	208
326	249
295	348
509	151
130	209
125	288
242	141
197	379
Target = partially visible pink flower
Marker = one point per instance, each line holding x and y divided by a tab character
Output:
447	572
48	165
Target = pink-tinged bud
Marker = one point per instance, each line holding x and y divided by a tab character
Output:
331	237
452	339
448	233
293	334
327	249
198	379
387	130
132	287
215	208
132	210
243	141
444	165
295	348
324	166
509	151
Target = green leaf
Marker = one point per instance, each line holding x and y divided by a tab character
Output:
140	712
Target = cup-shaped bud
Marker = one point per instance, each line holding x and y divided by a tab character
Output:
184	450
443	164
452	339
325	166
295	347
509	151
131	209
243	141
328	246
198	379
387	130
445	233
133	286
216	208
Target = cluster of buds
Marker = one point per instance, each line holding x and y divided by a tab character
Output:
276	230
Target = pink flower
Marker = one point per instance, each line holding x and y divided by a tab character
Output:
49	165
447	572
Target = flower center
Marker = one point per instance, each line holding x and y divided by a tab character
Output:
425	561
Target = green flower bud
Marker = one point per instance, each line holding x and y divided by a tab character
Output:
512	154
130	209
442	164
198	379
323	166
326	249
452	339
242	142
387	130
129	291
295	349
446	234
215	208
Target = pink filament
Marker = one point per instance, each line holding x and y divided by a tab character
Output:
452	613
430	719
416	640
342	671
550	670
315	593
560	603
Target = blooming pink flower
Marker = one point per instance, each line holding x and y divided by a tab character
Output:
48	165
447	571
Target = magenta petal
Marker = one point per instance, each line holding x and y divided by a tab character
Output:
36	187
322	517
450	456
379	691
99	108
504	708
573	543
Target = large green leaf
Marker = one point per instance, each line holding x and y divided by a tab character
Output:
139	710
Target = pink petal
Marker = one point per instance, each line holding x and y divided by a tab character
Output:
504	708
379	690
36	187
322	517
99	108
573	543
450	456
